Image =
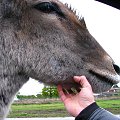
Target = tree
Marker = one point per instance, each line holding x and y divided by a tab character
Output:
50	92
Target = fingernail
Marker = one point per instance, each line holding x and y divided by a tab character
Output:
76	77
79	77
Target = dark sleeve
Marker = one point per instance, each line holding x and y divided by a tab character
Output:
94	112
86	113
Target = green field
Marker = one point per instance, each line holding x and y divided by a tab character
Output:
55	109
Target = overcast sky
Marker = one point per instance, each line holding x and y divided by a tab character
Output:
103	22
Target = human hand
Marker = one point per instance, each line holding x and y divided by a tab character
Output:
75	103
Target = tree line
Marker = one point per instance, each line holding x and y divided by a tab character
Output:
47	92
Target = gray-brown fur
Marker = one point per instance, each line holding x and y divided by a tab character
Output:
51	47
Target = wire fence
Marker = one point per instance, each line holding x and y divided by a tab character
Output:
113	93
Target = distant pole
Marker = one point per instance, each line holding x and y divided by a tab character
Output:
50	92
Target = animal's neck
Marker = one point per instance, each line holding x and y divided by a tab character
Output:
9	86
5	99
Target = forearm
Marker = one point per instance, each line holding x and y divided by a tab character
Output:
94	112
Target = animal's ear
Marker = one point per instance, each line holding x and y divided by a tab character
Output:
83	23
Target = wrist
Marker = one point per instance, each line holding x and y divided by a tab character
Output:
86	113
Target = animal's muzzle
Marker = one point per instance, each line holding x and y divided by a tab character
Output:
117	69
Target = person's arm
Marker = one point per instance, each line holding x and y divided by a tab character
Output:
82	105
94	112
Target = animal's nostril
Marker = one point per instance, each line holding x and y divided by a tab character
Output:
117	69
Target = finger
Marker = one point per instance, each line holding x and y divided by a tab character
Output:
61	93
82	81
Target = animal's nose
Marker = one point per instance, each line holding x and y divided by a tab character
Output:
117	68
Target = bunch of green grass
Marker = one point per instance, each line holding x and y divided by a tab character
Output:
56	109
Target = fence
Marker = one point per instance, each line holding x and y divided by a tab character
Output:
113	93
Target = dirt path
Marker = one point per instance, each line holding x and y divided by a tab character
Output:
66	118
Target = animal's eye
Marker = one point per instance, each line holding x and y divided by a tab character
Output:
49	7
45	7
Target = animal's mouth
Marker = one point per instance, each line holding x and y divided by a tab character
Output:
102	82
108	78
99	82
103	78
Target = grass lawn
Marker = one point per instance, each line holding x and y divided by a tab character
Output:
55	109
110	105
38	110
